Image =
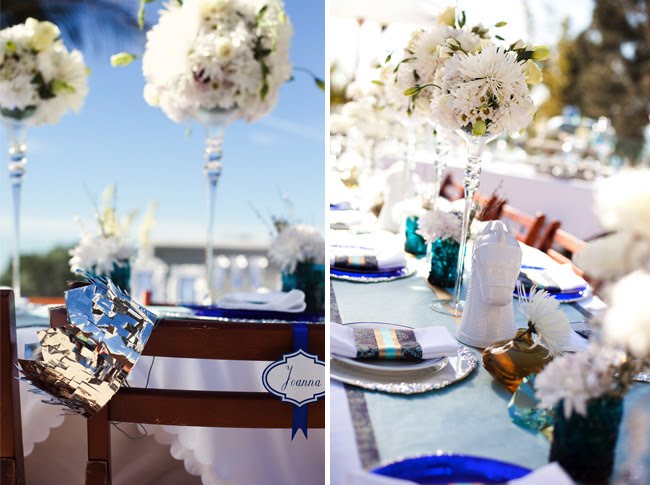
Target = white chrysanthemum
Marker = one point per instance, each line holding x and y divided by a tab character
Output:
626	323
98	254
575	379
297	244
623	202
40	80
611	257
215	55
440	224
550	324
488	86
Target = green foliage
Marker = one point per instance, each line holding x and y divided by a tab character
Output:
42	274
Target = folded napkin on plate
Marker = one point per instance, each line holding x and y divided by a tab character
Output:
391	343
554	278
276	301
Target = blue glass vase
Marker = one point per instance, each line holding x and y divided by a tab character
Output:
310	279
584	445
415	243
120	275
444	259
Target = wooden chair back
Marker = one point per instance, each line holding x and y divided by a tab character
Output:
527	228
201	339
12	466
560	245
450	189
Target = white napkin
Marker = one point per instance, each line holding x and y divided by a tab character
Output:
277	301
435	341
553	273
548	474
387	249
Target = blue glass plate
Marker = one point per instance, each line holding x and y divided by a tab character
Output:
214	311
451	468
565	297
371	277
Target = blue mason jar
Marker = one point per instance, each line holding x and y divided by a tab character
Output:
415	243
120	275
584	445
310	279
444	260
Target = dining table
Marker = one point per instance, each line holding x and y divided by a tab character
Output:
470	417
166	455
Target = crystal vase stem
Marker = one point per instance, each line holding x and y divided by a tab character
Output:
212	170
17	134
475	148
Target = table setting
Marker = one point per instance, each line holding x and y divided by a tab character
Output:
493	362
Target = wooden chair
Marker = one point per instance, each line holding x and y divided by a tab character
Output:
526	227
201	339
450	189
560	245
12	466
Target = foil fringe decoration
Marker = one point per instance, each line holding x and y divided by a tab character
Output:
84	363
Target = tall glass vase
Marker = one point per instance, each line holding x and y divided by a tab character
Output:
17	138
475	148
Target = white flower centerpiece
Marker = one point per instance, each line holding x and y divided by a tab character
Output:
40	80
215	61
480	90
107	251
299	251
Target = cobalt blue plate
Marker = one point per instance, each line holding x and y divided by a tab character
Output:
564	297
451	468
214	311
370	276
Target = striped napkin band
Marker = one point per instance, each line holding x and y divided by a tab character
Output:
384	343
356	262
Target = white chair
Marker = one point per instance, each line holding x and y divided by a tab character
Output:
186	284
149	273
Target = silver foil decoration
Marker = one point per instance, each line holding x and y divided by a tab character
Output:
83	364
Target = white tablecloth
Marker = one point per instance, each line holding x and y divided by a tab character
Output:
217	455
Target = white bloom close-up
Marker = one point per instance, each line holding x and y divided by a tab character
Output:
215	56
440	224
297	244
626	324
99	255
611	257
40	80
551	325
573	379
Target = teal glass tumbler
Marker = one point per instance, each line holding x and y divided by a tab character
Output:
120	275
584	445
444	263
310	279
415	243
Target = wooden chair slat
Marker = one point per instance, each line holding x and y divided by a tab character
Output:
528	227
207	408
11	438
97	473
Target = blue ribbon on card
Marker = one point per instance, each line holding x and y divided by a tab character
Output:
300	342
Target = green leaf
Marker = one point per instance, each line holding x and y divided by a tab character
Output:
141	14
388	58
501	24
412	91
122	59
499	37
377	82
188	132
462	20
10	47
59	86
260	14
320	83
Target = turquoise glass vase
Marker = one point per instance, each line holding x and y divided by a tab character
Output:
444	258
310	279
415	243
120	275
584	445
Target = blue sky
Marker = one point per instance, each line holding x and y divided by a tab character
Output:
118	138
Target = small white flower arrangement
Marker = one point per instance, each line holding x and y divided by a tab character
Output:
446	221
295	244
39	78
217	56
622	203
412	207
100	251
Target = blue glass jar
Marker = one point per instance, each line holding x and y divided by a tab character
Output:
444	260
120	275
415	243
584	445
310	279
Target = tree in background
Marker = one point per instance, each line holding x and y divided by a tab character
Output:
42	274
605	71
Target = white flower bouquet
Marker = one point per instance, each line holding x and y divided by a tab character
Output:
445	221
217	56
39	78
295	244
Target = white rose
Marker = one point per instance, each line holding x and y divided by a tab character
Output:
45	33
447	16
